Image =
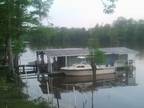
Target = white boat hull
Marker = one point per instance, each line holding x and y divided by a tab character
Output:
88	72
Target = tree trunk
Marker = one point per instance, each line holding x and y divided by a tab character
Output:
5	60
9	37
16	58
94	72
10	56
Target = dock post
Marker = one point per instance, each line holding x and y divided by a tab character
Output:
47	64
50	69
42	57
35	67
37	62
37	56
23	67
66	62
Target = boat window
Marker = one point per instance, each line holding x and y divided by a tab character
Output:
80	66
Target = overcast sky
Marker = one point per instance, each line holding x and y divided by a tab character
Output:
88	13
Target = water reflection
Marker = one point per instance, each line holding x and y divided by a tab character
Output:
117	92
77	89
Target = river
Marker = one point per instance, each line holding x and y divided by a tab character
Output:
65	92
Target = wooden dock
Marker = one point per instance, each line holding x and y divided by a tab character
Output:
23	69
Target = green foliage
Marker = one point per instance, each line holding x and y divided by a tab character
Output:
17	17
93	43
24	104
57	37
97	56
18	46
123	32
40	8
109	6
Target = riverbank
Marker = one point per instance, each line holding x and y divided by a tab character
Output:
11	95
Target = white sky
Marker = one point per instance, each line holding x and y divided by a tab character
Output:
88	13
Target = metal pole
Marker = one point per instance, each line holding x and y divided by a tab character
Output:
47	90
92	99
58	102
74	97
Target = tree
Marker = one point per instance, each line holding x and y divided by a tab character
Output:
40	8
96	57
15	18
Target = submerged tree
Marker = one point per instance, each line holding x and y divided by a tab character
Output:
96	57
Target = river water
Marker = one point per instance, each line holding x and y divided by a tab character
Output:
123	91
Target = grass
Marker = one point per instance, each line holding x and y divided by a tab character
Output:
20	103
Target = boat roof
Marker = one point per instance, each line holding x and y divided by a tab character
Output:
118	50
85	51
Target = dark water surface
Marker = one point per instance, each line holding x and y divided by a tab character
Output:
123	91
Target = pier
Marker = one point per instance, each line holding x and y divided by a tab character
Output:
28	69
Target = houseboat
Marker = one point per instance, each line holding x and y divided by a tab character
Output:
67	60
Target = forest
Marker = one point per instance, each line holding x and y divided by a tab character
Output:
122	32
20	23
